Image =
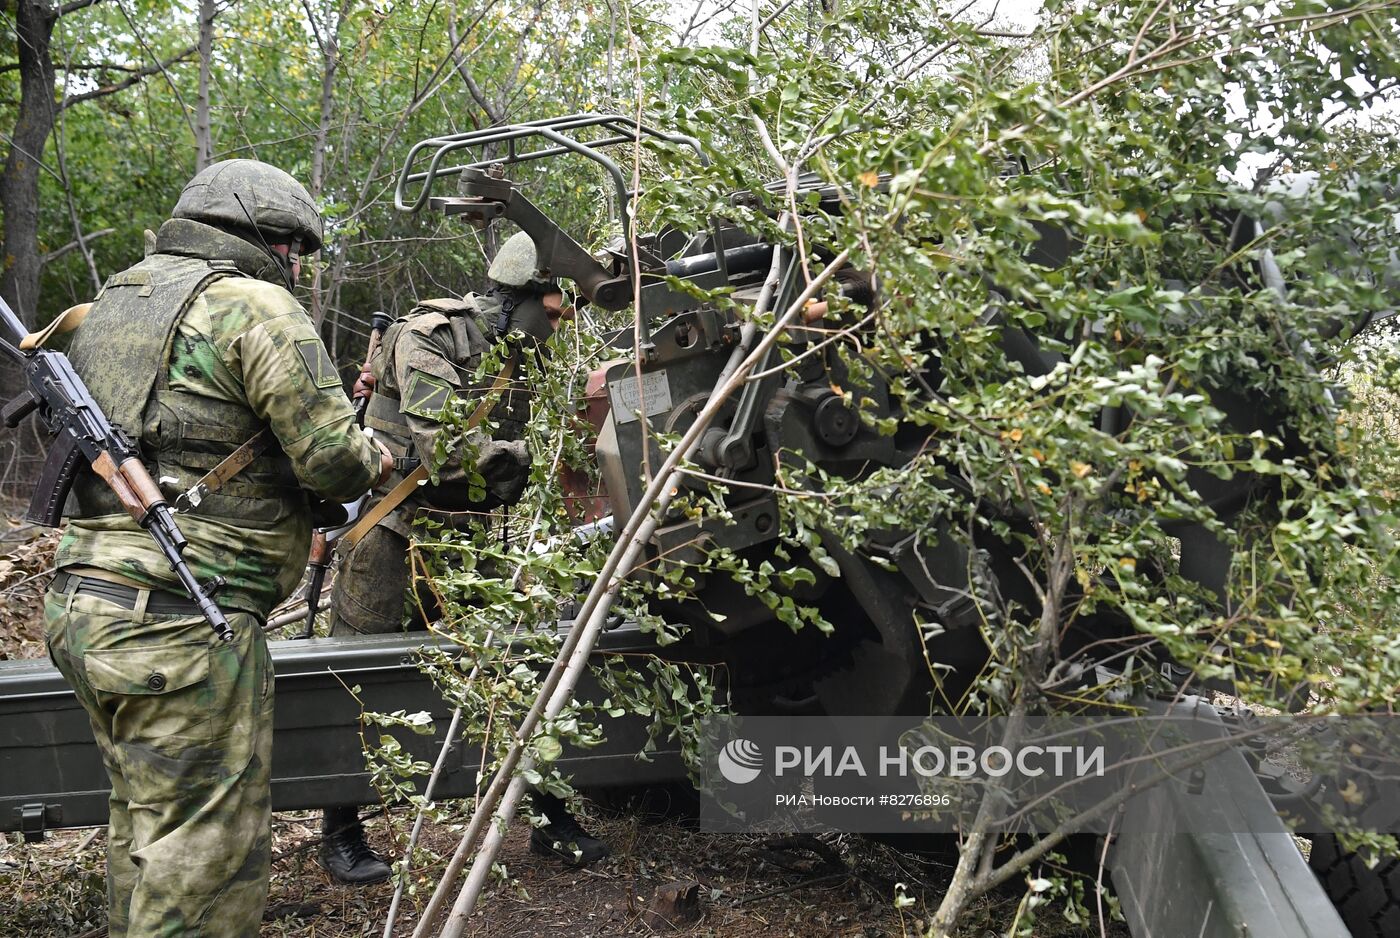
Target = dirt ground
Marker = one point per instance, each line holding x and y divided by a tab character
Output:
838	885
26	563
744	886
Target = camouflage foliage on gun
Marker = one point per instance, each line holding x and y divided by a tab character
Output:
83	434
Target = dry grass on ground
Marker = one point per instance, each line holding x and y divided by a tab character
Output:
749	886
26	563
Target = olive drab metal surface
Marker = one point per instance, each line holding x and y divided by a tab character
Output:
1240	876
51	773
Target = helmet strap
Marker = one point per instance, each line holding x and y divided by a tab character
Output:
503	322
284	264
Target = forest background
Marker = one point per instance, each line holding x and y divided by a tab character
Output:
107	108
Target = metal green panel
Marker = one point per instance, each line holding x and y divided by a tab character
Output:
51	774
1216	883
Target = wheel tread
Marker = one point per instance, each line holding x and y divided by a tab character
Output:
1368	900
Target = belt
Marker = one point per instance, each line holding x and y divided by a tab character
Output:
159	603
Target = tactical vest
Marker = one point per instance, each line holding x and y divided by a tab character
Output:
122	351
464	320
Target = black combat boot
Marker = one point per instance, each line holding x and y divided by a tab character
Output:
344	853
562	837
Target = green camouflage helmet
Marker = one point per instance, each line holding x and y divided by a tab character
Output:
516	266
244	194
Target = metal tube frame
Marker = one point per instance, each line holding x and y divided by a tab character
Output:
622	129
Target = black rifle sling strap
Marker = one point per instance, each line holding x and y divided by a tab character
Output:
396	496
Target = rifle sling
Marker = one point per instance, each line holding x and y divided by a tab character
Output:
396	496
230	466
66	321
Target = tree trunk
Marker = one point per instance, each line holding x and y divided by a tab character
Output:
329	37
203	134
19	183
330	60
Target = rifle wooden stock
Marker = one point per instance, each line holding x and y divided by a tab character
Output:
375	338
318	560
378	323
320	549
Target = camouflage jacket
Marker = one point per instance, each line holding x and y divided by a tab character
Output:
427	358
240	354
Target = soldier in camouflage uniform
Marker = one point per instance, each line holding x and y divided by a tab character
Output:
194	350
426	357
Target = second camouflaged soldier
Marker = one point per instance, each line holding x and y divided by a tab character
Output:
194	350
425	358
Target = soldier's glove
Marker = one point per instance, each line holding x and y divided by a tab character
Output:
505	465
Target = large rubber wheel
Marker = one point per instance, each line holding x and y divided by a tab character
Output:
1367	899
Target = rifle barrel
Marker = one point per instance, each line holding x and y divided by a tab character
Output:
743	259
11	351
211	612
13	326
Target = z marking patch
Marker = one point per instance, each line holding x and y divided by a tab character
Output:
426	395
318	363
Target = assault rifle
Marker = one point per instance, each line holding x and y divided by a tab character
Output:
82	431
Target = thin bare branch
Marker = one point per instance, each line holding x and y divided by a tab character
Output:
58	253
140	73
73	6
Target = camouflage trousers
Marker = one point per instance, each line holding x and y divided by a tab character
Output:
184	725
371	593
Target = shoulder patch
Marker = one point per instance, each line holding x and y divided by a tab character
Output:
426	395
318	363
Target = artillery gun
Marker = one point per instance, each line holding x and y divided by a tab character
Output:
875	661
669	360
667	366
